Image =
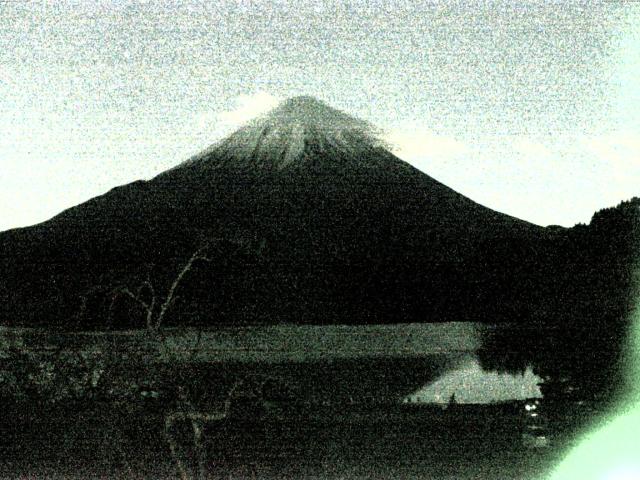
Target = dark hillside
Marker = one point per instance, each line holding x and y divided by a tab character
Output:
585	299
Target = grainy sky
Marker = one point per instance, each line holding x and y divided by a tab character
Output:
531	108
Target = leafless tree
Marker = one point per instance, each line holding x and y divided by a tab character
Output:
243	387
197	420
153	303
156	303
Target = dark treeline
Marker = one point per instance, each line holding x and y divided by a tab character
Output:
581	297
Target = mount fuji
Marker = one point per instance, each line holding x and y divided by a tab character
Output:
308	218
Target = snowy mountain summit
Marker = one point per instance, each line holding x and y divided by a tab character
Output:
293	135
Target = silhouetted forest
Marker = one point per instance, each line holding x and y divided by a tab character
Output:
580	308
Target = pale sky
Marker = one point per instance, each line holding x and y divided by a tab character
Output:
530	108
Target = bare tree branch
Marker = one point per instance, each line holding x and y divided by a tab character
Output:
155	305
85	298
198	255
147	307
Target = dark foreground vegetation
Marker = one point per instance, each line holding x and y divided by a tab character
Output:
385	441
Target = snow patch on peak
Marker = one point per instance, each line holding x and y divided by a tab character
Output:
278	139
312	113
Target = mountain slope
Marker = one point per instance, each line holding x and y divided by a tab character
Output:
318	222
